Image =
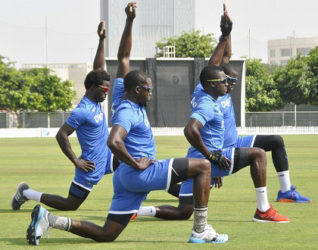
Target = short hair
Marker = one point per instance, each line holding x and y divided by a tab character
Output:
135	78
209	72
96	77
228	70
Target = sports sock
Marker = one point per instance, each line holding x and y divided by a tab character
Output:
262	200
147	211
200	219
59	222
284	180
32	195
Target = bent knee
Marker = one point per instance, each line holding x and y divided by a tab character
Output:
104	237
206	166
278	141
185	212
257	153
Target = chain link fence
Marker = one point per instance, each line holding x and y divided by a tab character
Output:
33	119
282	119
252	119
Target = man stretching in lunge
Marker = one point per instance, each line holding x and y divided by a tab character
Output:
89	122
205	132
132	142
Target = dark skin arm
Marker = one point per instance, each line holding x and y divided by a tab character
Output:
228	51
62	138
99	60
192	133
116	144
124	49
223	47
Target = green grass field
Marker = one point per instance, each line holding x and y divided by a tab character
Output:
42	165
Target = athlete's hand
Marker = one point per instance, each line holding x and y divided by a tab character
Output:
131	10
217	182
220	160
101	32
226	23
84	165
144	163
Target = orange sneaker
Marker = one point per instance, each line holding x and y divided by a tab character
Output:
270	215
133	217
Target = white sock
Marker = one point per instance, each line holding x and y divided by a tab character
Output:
284	181
262	200
59	222
200	219
32	195
147	211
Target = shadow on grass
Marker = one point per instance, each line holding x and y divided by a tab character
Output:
75	241
24	242
10	211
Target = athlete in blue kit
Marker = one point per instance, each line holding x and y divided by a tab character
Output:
132	142
273	143
205	132
89	122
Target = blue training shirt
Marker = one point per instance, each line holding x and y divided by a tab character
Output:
226	105
133	118
89	121
118	93
230	134
206	110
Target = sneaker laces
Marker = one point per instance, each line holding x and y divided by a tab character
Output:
293	191
212	234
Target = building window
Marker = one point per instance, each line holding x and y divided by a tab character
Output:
272	53
303	51
283	62
286	52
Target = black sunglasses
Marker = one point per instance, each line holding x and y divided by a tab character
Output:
149	89
224	81
231	79
104	88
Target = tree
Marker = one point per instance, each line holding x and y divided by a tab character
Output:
34	89
312	62
293	80
192	44
53	93
261	90
13	93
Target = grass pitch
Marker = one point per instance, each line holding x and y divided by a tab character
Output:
43	166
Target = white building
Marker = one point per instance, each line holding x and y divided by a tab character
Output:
281	50
157	19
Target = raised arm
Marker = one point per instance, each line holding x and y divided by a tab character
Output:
99	60
124	49
227	51
116	144
221	49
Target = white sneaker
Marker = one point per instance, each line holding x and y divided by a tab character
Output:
18	198
38	226
208	236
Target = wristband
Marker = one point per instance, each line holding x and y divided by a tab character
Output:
222	38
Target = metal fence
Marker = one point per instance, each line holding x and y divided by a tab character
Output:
252	119
33	119
282	119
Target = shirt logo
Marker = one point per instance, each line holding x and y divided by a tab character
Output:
193	103
98	117
226	103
